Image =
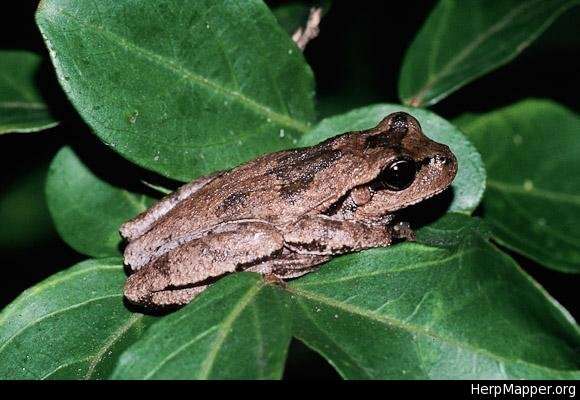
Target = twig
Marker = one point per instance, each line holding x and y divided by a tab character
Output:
304	35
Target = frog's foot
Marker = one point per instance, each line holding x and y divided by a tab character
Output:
402	230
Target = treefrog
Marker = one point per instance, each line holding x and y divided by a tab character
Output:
283	214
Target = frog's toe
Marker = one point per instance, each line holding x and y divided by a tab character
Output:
402	230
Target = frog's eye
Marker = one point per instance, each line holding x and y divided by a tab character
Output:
398	175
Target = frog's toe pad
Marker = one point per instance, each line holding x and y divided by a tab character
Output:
402	230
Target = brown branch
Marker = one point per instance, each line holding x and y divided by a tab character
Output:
304	35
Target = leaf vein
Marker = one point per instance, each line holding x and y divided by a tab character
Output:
191	76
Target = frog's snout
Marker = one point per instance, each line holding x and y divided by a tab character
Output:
448	159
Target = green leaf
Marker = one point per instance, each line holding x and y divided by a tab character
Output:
462	40
71	326
237	329
417	312
21	106
532	202
179	87
469	183
23	212
87	211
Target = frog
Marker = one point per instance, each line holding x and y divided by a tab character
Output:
285	213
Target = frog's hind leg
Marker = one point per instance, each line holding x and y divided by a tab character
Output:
177	297
137	226
178	275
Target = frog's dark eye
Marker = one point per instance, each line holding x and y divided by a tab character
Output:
398	175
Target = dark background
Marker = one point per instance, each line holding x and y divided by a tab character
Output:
356	61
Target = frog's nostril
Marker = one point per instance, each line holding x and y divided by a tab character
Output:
440	159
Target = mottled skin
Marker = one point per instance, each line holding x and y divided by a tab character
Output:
283	213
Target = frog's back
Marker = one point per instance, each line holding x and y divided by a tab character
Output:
277	188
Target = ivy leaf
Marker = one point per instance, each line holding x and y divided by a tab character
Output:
469	183
71	326
462	40
179	87
87	211
237	329
21	106
532	202
417	312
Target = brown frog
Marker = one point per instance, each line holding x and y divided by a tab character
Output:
284	213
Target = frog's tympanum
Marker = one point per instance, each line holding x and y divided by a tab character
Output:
284	213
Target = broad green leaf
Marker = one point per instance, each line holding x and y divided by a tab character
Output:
23	213
532	202
87	211
71	326
462	40
21	106
239	328
181	87
418	312
469	183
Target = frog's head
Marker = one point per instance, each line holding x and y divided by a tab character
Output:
410	167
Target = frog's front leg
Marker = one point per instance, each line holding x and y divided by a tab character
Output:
178	275
321	234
